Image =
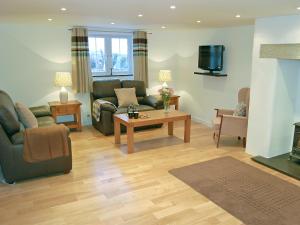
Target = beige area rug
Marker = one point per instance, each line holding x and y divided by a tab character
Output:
249	194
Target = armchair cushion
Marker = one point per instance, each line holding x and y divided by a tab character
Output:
26	116
45	121
10	124
40	111
153	101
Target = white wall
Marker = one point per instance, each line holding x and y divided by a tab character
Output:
29	57
178	50
274	103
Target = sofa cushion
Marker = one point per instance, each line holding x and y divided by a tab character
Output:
126	97
140	108
137	84
45	121
26	116
17	138
103	89
7	120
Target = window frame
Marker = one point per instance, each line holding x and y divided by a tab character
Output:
108	36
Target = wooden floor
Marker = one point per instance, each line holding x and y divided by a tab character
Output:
107	186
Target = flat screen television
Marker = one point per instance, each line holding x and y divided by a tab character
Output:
211	57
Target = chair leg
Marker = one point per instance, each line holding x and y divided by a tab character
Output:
239	137
214	136
218	141
244	142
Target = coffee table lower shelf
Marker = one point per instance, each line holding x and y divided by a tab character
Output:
155	117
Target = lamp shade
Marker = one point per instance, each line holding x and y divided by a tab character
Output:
165	75
63	79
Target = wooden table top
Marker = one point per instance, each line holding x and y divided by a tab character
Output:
58	103
155	116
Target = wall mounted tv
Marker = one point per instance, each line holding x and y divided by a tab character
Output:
211	58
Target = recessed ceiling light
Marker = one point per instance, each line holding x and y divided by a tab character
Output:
112	23
238	16
140	15
298	8
198	21
50	19
173	7
63	9
163	27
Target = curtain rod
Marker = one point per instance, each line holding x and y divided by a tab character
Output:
109	31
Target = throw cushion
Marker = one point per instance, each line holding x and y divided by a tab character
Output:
240	109
26	116
126	97
7	120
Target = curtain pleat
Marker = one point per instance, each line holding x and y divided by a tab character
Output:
81	69
140	56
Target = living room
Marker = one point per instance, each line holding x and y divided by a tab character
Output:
155	183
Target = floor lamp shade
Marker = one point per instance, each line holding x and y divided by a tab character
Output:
63	80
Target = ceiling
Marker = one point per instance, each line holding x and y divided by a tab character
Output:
156	13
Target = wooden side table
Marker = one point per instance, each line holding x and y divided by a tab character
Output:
70	108
174	100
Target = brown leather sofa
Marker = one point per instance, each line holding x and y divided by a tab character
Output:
105	90
13	166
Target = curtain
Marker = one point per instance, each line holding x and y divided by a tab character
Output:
140	56
81	69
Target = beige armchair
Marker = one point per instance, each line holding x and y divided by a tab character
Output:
226	123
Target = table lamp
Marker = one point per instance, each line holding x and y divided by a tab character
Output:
63	80
165	76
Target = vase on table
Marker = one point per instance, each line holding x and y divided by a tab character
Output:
167	106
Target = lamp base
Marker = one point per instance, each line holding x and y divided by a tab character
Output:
165	85
63	96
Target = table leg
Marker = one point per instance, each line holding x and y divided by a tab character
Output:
117	131
130	131
78	119
171	128
187	129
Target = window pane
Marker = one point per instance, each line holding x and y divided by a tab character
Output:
120	54
97	54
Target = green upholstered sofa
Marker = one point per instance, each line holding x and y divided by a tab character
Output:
105	90
12	164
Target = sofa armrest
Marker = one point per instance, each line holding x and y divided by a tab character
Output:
41	111
153	101
108	107
221	112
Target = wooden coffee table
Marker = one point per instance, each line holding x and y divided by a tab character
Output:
155	117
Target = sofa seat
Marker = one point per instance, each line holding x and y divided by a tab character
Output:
140	108
45	121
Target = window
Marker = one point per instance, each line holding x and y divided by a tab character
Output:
111	54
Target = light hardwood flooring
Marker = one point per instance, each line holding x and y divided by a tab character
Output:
109	187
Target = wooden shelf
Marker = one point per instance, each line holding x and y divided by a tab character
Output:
211	74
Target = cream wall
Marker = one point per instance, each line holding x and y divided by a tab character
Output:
31	54
178	50
29	58
274	103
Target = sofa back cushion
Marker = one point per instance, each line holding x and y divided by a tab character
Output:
139	86
106	88
8	115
